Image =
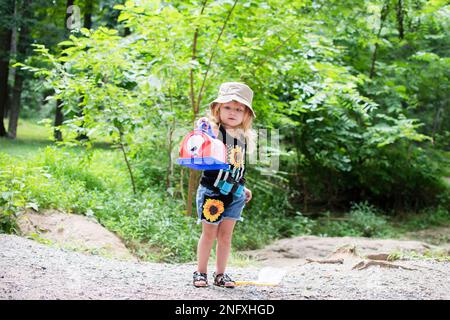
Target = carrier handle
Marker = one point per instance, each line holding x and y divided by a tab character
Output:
204	125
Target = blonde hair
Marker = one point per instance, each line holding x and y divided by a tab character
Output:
245	127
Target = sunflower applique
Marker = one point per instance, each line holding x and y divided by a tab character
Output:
212	209
236	156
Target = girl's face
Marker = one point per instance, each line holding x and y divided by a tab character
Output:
231	114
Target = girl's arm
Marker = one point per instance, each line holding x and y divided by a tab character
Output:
248	194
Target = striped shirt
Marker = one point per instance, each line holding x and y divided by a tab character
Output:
236	152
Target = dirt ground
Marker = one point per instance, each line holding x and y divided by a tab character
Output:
294	251
309	267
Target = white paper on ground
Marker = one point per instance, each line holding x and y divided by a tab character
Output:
271	275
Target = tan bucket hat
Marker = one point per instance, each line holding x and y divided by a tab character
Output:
237	91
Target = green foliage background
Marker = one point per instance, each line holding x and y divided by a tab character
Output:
359	91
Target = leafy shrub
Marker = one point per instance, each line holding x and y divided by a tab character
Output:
427	218
71	166
400	179
13	192
363	220
268	217
150	167
367	220
151	221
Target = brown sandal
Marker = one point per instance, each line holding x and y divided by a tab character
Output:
223	280
200	277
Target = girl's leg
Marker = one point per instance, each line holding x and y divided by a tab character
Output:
209	234
224	236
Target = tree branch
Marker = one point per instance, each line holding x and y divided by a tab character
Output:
191	72
130	171
212	54
270	54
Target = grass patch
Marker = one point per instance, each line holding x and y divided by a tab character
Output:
428	218
438	255
31	137
363	220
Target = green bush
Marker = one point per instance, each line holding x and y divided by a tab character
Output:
150	167
69	165
151	222
427	218
363	220
400	179
14	194
268	217
366	219
49	180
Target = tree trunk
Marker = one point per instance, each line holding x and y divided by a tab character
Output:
400	18
5	42
88	25
124	153
192	185
170	139
384	13
169	154
6	11
15	104
89	7
193	176
12	71
22	44
436	121
59	118
182	184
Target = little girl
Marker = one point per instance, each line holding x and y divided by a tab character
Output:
231	116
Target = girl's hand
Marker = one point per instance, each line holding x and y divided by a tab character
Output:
202	120
248	194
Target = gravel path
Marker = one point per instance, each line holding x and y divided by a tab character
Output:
30	270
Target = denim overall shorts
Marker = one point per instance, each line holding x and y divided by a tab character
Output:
213	207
